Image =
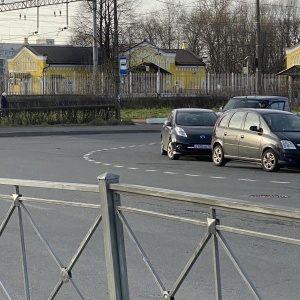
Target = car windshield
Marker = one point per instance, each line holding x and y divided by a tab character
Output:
241	103
283	122
196	118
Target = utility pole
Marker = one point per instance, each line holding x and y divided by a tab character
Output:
258	86
117	67
95	50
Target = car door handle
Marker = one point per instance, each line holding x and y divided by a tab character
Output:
225	133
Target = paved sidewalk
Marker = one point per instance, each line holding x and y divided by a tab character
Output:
76	130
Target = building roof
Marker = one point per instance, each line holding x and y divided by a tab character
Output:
292	71
185	57
64	55
71	55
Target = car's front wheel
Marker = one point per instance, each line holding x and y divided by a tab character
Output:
269	161
171	153
218	156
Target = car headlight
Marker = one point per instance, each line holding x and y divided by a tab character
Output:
287	144
180	131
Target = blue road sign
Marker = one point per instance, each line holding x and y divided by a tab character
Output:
123	65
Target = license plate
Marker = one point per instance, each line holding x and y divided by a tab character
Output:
202	146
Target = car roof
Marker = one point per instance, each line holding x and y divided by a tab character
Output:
193	109
260	98
261	111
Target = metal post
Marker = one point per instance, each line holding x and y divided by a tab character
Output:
258	51
158	82
95	50
23	250
216	261
114	245
117	67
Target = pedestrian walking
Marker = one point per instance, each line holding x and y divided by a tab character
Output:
4	105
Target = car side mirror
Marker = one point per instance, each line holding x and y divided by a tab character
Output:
255	128
167	123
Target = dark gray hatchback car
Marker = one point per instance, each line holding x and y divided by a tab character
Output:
258	101
265	136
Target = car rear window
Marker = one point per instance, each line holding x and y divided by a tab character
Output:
236	120
196	118
224	120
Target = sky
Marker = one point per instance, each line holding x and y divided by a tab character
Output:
19	24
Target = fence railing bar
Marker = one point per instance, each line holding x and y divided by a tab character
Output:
162	216
51	185
5	290
55	290
238	266
216	257
76	288
7	218
260	235
60	202
6	197
42	237
190	264
23	251
142	252
221	203
60	284
84	242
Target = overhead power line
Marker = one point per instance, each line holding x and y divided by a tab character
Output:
31	3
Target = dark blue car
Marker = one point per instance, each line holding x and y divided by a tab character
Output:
188	131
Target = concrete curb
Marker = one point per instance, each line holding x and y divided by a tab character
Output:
48	131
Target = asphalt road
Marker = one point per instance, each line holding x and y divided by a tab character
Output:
136	158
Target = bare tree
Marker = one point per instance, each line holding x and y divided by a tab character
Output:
223	30
161	27
83	32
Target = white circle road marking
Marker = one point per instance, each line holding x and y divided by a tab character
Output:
192	175
87	158
280	182
245	179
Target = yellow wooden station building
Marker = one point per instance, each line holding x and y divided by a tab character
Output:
59	69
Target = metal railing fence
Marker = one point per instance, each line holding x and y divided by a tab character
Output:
145	84
115	224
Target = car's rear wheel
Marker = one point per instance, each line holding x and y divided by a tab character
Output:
171	153
218	156
269	161
162	150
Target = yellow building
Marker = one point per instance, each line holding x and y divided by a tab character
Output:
51	69
177	70
292	72
58	69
